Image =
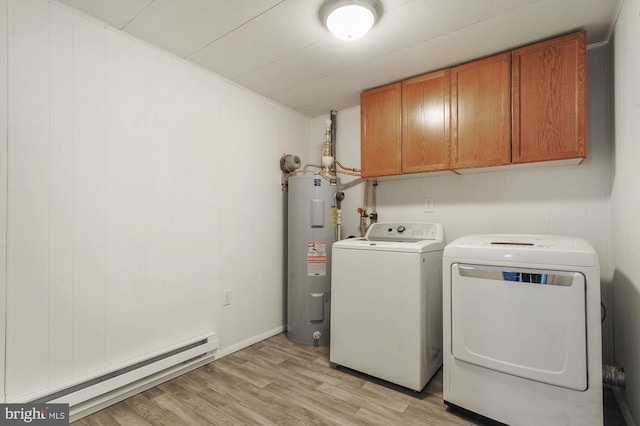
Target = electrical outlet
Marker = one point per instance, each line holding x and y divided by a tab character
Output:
429	204
226	297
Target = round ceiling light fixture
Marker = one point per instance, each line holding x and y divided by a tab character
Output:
349	19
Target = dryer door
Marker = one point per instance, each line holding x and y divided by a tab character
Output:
524	322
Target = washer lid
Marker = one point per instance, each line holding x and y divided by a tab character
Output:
408	237
523	248
423	246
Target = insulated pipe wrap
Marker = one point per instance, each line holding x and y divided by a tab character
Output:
614	376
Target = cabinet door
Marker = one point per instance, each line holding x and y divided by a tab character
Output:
380	121
425	122
481	113
549	100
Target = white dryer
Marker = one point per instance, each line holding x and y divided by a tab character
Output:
386	296
522	333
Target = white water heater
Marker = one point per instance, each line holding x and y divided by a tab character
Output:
311	233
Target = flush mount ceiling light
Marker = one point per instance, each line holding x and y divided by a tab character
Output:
349	19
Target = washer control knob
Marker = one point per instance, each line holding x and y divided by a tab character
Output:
401	229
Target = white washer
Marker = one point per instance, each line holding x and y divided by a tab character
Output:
522	333
386	296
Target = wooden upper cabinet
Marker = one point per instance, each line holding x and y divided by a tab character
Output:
380	122
425	123
549	100
481	113
523	106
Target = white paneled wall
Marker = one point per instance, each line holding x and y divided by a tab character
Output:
139	187
61	196
3	181
125	199
89	199
255	223
28	197
626	204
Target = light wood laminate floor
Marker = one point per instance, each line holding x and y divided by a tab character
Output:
276	382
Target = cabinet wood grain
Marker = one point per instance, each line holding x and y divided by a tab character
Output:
523	106
426	123
549	100
480	113
380	120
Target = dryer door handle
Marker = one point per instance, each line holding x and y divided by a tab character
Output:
518	275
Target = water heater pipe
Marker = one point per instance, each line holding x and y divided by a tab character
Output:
334	130
374	211
327	158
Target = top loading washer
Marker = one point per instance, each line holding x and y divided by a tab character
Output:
386	318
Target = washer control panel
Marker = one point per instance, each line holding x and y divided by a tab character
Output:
408	232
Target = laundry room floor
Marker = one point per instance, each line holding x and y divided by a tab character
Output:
278	382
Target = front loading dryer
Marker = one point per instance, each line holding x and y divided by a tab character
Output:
522	334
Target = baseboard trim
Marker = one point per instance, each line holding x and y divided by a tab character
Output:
248	342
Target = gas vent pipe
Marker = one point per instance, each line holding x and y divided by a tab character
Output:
614	376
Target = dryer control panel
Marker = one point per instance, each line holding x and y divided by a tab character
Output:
405	231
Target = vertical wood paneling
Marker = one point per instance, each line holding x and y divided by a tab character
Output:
114	198
625	204
530	213
28	197
568	215
203	195
3	185
89	295
163	137
125	297
240	223
270	275
61	196
180	308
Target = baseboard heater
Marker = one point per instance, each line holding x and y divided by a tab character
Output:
137	372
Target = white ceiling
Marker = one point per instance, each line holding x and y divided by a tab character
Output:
280	49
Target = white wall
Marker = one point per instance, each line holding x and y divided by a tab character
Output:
626	202
563	200
3	181
139	187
